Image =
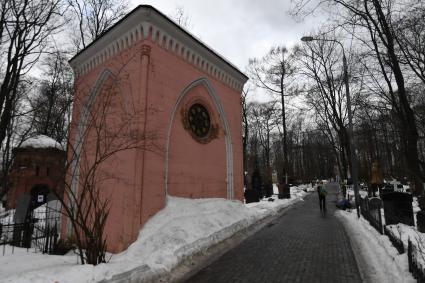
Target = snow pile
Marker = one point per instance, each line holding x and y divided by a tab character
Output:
266	207
308	187
186	226
406	232
296	191
377	257
182	228
41	141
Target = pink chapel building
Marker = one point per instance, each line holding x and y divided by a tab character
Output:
190	100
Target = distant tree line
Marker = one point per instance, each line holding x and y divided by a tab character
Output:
302	131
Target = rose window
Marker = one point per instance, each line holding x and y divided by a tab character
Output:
199	120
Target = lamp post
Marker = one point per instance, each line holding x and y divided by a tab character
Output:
353	158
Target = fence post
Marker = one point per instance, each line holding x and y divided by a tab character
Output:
55	237
409	254
380	219
46	237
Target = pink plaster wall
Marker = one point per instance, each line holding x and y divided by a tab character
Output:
196	170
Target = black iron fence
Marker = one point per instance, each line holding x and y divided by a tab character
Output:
39	231
371	211
397	243
415	267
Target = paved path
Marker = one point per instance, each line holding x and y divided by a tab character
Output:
301	246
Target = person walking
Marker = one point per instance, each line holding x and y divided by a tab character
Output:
322	192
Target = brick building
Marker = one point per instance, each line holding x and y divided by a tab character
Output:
190	100
38	168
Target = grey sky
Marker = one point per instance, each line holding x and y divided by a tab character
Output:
239	29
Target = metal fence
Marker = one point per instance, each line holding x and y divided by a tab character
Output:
371	211
414	267
397	243
39	231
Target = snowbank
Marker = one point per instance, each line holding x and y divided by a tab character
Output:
182	228
41	141
406	232
377	257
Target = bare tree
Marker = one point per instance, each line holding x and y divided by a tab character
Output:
52	105
410	33
264	120
91	18
24	29
19	129
107	131
246	128
374	24
272	73
321	65
182	18
376	17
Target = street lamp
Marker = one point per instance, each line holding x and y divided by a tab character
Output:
350	118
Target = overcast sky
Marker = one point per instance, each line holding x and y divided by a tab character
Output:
239	29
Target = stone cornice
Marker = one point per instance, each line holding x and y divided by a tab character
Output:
145	22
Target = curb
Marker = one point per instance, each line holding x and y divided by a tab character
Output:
358	256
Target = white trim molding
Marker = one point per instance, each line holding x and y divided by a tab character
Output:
147	23
81	129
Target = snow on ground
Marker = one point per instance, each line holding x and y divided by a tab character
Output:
406	232
296	189
41	141
379	260
265	207
182	228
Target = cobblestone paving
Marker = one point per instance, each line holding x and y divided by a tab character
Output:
301	246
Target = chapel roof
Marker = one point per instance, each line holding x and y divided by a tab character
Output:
146	14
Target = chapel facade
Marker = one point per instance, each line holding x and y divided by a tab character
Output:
179	97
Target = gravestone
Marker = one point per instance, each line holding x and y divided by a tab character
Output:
420	221
364	206
398	208
284	191
257	183
22	207
251	196
375	205
22	230
267	183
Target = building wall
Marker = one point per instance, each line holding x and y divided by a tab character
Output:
35	166
149	79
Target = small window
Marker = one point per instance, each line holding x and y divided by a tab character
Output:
37	170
